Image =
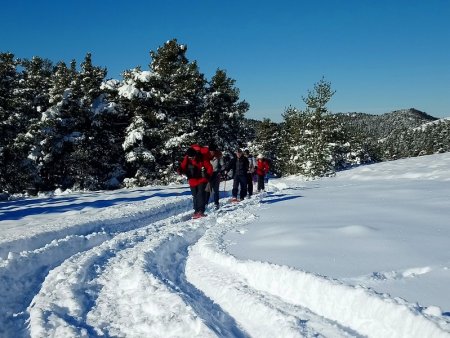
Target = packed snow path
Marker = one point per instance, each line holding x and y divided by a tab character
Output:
157	273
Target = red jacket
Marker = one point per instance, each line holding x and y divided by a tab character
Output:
193	170
262	167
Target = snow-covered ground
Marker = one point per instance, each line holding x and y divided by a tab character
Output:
365	253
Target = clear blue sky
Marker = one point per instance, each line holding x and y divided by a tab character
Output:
379	55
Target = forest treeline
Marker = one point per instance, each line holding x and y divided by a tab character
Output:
67	126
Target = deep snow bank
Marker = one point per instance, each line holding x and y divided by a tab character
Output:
358	308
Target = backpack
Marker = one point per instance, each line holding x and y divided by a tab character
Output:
192	171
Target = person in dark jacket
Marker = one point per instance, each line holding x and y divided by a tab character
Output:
216	160
251	172
239	166
198	171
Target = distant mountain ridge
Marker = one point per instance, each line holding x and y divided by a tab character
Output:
381	126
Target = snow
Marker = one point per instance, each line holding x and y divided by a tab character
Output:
424	126
364	253
134	135
129	91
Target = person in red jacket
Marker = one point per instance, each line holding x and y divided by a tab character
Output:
198	170
262	168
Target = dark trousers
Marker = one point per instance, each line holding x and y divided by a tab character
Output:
250	184
240	181
260	182
214	184
198	196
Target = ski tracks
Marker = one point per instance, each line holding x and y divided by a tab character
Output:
107	291
172	276
28	264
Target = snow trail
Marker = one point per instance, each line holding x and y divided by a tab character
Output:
86	294
158	273
24	271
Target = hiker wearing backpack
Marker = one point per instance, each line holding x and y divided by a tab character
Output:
262	168
250	173
217	163
239	166
198	171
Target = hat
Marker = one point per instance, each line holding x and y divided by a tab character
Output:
191	152
260	156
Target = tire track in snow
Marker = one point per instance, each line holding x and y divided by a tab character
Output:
24	272
112	219
68	291
168	264
79	296
165	310
129	284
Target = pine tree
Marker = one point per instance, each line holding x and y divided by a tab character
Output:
222	121
292	154
307	136
268	143
142	96
35	86
61	131
89	159
180	90
318	154
109	121
9	116
33	91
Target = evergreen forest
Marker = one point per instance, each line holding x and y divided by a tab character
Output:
66	126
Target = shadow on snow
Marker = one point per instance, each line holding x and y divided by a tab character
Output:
50	205
279	198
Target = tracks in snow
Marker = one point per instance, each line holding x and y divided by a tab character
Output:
167	275
31	259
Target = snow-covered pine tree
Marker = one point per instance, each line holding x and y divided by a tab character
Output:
442	136
33	91
35	85
340	144
292	154
43	136
61	131
181	93
268	143
91	153
61	79
138	151
360	148
140	96
9	115
317	137
109	121
222	120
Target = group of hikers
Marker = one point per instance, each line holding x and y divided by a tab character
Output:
205	168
